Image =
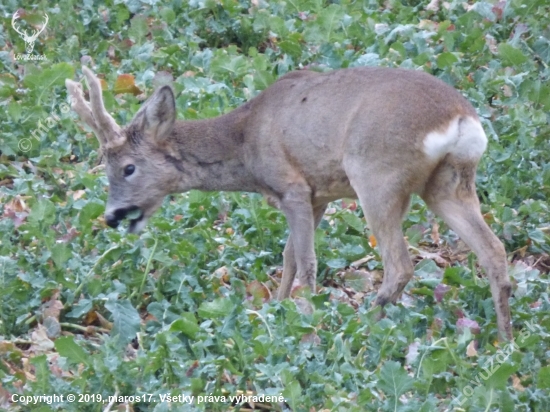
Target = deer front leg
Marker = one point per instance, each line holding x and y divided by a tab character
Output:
297	207
289	259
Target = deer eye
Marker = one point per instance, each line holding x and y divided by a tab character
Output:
129	169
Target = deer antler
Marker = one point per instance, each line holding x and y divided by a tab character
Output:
94	113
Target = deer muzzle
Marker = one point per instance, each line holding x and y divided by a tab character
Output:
114	217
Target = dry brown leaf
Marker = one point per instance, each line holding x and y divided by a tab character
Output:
372	241
102	321
70	235
258	290
52	308
40	341
434	256
190	371
516	383
125	83
222	273
77	194
311	338
28	369
17	204
471	349
435	233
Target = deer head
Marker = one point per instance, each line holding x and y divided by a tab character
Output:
28	39
137	167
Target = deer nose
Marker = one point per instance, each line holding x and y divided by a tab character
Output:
112	220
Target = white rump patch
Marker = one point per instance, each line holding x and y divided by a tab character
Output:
464	137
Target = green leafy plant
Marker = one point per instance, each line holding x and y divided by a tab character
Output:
186	308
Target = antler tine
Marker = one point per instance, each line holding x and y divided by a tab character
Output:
82	107
104	121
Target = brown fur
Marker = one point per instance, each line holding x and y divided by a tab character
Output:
309	139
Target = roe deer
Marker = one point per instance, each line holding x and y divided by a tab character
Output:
379	134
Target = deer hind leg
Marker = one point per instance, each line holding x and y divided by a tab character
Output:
384	203
289	258
451	194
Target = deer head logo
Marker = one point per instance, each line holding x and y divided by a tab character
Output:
28	39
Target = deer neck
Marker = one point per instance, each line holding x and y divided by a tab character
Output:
209	154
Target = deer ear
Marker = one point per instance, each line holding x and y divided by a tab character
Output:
158	114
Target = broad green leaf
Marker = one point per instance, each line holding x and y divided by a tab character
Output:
41	372
42	213
338	263
68	348
8	84
90	212
354	221
126	320
452	276
168	15
394	381
215	309
291	47
60	254
510	55
292	393
499	373
446	59
138	29
187	324
323	28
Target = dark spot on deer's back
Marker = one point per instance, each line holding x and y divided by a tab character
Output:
304	99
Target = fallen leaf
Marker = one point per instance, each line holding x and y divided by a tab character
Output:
435	233
258	290
516	383
104	322
52	308
40	341
372	241
125	83
465	323
471	349
311	338
222	273
77	194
